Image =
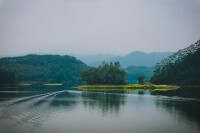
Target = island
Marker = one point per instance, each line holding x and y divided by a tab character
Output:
109	76
128	87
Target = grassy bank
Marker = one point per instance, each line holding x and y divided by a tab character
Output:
31	83
47	84
127	87
23	84
53	84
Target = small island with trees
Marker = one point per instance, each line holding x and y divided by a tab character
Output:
112	76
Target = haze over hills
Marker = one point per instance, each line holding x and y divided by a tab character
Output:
94	60
135	63
133	72
135	58
138	58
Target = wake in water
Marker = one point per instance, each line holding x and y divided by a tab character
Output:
27	113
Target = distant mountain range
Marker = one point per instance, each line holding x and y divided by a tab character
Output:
94	60
135	58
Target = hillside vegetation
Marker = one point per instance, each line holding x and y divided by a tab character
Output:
45	68
181	68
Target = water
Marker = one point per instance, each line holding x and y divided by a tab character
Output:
54	110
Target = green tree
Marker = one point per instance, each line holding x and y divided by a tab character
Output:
182	68
141	80
6	77
105	74
44	68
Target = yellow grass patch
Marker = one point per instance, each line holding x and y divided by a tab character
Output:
53	84
127	87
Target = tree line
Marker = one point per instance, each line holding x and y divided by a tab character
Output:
7	77
182	68
106	73
44	68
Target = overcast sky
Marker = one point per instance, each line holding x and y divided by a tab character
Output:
97	26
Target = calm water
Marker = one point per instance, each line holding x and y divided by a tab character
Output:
54	110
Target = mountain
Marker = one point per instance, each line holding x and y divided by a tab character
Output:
133	72
135	58
45	68
181	68
138	58
94	60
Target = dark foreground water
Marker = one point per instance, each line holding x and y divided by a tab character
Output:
52	110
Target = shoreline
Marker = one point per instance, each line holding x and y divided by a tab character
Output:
127	87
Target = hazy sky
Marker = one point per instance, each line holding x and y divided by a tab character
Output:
97	26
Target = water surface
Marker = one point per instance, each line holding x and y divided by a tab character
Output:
60	110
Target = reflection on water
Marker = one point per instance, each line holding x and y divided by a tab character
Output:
181	92
64	100
181	109
48	110
107	102
7	93
35	87
188	108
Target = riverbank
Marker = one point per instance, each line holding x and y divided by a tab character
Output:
21	84
127	87
53	84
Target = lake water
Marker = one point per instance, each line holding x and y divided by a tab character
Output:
54	110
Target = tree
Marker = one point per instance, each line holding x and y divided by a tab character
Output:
140	80
6	77
181	68
44	68
111	74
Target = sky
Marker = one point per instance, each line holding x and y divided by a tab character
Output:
97	26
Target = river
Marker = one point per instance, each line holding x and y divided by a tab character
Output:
62	110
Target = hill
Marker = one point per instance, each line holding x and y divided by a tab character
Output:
138	58
135	58
94	60
133	72
181	68
45	68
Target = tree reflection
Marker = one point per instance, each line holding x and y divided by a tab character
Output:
189	92
65	99
181	109
106	102
184	107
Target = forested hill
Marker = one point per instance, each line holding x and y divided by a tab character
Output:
45	68
181	68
